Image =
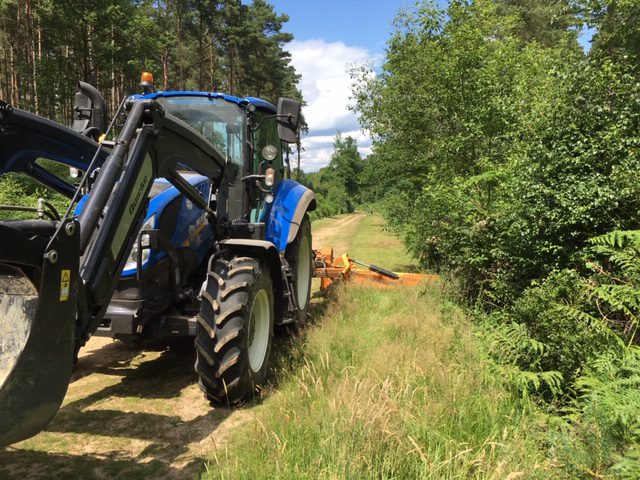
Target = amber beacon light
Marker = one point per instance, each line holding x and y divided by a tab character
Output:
146	82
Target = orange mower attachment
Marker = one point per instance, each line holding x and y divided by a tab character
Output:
330	270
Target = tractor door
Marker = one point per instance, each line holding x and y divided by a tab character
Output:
267	153
223	123
237	198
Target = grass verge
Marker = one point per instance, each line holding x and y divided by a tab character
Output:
374	243
387	384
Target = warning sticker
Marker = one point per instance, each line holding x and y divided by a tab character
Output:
65	280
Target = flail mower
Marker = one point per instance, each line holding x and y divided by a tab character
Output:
345	268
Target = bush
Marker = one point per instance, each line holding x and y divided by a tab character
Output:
564	342
603	436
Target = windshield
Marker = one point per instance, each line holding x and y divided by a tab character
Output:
219	121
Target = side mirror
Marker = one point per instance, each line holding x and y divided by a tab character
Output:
288	119
89	109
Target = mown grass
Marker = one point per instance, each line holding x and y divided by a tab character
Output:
374	243
387	384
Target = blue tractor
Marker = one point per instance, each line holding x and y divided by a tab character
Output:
187	223
227	283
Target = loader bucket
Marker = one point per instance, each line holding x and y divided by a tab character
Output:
38	308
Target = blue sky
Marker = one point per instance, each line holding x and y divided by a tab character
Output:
361	23
330	37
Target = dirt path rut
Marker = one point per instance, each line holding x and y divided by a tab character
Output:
338	233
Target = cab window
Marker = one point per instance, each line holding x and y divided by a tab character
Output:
221	122
267	134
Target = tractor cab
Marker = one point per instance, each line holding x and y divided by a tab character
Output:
249	132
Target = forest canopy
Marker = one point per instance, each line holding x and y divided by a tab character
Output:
46	46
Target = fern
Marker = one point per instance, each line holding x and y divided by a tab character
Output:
609	403
617	239
587	320
515	352
615	283
606	413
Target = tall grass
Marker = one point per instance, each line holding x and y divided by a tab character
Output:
387	384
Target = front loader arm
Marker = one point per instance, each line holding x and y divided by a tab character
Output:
151	145
26	137
57	283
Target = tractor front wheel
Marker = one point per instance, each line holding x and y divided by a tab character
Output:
299	255
234	330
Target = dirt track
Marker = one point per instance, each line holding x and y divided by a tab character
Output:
338	234
137	413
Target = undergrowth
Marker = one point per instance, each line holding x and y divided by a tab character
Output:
570	342
387	384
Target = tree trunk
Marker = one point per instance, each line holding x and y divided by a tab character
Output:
31	46
165	70
201	65
17	89
39	60
230	71
213	68
179	34
113	71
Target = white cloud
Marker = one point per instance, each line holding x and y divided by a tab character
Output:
326	87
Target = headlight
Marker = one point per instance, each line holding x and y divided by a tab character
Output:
132	262
269	153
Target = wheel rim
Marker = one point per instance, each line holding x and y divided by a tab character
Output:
303	273
259	330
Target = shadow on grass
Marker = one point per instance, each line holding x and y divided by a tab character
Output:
24	464
409	268
89	422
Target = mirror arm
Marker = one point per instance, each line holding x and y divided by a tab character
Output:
275	115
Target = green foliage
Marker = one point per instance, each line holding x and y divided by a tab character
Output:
517	354
16	189
506	149
508	154
544	22
617	24
615	282
46	46
603	437
550	328
337	186
586	328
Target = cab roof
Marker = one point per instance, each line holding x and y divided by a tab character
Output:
258	102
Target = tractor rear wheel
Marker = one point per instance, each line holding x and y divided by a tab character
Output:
299	255
234	330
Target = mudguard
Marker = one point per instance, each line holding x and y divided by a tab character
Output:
291	202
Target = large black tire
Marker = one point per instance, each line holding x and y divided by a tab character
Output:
299	255
234	330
